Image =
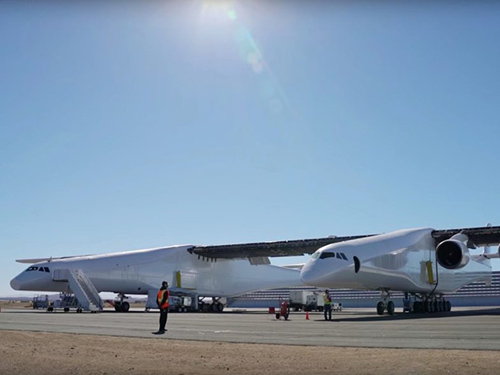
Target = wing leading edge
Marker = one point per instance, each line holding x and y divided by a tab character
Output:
268	249
479	236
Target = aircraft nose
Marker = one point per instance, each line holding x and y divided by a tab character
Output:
15	284
308	279
309	275
316	274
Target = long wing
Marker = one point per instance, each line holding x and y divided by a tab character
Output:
480	236
268	249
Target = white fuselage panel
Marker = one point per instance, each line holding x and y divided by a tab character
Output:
139	271
394	261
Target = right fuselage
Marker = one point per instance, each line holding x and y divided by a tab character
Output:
403	260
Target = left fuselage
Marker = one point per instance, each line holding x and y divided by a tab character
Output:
136	272
394	261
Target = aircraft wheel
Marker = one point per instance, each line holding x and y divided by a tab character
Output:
125	306
380	308
220	307
448	306
430	307
390	308
66	309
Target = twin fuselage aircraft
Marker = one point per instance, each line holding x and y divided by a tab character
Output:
425	263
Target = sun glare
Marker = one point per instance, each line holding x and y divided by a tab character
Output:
218	9
219	12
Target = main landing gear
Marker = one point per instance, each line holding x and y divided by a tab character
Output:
416	303
429	304
216	306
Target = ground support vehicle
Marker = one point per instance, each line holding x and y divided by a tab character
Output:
284	310
306	300
40	302
66	301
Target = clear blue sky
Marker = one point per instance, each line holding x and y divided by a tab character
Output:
127	125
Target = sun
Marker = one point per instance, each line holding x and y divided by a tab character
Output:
218	9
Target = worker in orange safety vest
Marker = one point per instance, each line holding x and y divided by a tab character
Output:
162	302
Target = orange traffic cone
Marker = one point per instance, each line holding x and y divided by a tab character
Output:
307	315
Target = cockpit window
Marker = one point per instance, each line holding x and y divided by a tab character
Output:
40	269
315	255
325	255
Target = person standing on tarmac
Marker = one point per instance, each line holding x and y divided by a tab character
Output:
162	301
328	304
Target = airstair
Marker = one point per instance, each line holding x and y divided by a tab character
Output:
79	283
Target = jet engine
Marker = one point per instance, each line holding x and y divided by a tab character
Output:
453	253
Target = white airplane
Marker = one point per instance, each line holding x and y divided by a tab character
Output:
142	271
425	263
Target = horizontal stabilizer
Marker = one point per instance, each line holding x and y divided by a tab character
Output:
297	266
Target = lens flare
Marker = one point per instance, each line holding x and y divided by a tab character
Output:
249	51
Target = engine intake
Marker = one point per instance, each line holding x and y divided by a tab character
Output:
453	253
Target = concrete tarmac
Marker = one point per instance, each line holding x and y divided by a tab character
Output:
464	328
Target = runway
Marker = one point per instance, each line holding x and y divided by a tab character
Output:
464	328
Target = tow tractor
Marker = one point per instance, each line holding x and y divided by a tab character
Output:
284	310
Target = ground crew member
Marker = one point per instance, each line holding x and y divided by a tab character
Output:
162	302
328	305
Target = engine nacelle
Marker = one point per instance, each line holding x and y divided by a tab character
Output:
453	253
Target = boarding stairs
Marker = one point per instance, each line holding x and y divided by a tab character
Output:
80	284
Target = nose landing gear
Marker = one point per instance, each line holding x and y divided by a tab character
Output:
386	304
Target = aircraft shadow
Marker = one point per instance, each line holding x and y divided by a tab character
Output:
411	316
